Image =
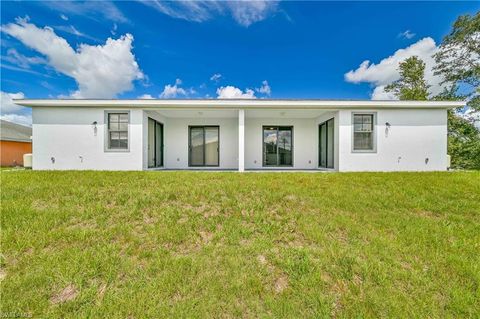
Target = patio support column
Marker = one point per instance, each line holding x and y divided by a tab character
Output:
241	140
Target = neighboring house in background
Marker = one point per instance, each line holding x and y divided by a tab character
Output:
15	140
240	135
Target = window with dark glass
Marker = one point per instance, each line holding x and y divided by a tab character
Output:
155	143
277	146
118	131
363	132
325	138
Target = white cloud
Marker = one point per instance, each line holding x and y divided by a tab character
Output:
265	88
244	13
216	77
231	92
72	30
64	17
12	112
173	91
18	118
14	57
386	71
197	11
15	68
380	94
6	100
406	34
101	71
47	85
90	9
114	29
146	97
249	12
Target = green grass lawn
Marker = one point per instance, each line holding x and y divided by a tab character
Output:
196	244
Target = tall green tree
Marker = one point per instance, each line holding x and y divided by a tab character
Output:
412	84
458	58
463	136
458	62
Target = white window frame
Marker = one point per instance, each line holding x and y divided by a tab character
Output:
107	137
374	132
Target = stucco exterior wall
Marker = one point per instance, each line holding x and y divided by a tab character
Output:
413	137
67	135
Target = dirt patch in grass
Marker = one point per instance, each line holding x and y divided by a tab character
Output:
202	239
280	281
245	242
42	205
149	219
66	294
78	224
3	274
338	289
262	259
206	237
101	291
182	220
429	214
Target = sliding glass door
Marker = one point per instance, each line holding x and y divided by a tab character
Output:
325	145
155	143
204	146
277	146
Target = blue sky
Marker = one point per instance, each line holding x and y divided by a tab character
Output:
255	49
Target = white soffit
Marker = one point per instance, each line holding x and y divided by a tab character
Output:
198	113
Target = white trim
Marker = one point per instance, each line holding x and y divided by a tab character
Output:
236	103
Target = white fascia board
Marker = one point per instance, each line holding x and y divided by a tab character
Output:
235	104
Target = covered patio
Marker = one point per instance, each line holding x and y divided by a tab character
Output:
240	139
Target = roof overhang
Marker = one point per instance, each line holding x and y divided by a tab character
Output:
19	140
237	103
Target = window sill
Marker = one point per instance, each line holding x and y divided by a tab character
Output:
364	151
117	150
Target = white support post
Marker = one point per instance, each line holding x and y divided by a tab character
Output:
241	140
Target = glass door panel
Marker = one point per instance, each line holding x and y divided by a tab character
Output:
323	145
151	143
284	145
330	143
277	146
155	143
204	146
158	144
326	144
270	146
211	146
196	146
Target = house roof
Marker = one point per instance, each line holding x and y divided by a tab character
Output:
237	103
15	132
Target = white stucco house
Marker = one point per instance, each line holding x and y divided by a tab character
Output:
259	134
